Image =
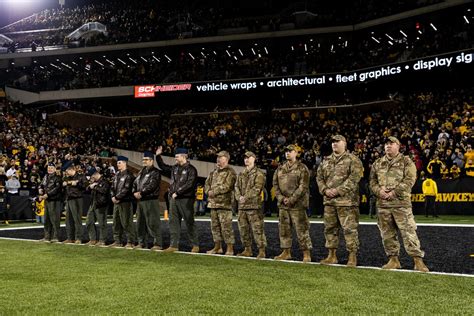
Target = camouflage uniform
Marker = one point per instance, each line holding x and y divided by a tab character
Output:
343	173
397	174
221	182
250	184
291	180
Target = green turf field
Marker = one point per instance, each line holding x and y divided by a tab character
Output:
49	279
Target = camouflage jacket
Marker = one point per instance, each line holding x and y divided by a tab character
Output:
250	184
342	173
221	182
292	181
397	174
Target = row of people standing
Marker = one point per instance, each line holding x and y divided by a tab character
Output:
391	180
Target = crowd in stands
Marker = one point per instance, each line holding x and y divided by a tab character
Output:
435	129
431	127
278	57
148	20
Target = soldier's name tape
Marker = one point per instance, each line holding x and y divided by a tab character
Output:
266	259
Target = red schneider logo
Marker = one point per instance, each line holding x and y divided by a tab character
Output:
148	91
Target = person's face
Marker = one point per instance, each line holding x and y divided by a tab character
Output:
249	161
180	159
95	177
70	172
291	155
392	149
51	170
121	165
222	162
147	162
338	146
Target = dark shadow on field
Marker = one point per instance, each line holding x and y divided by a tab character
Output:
448	249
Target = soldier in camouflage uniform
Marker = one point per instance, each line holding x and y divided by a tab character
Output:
338	181
219	188
391	179
291	183
248	193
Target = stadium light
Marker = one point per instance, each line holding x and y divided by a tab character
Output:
292	48
169	59
240	51
391	38
154	57
203	55
228	53
110	62
345	44
235	57
403	33
332	48
378	42
266	51
191	55
434	27
305	48
98	62
214	52
466	19
143	59
133	60
419	31
253	51
121	61
390	42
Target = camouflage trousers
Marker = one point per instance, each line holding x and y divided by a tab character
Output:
252	219
402	217
345	217
221	226
300	221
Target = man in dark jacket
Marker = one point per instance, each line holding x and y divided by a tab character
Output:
183	177
75	184
50	190
122	198
146	189
100	196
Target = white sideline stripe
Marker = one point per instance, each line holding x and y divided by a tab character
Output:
268	259
266	221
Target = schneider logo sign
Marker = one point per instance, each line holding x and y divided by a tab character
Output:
148	91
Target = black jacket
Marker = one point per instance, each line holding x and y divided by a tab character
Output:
75	191
122	186
52	186
148	183
183	178
100	194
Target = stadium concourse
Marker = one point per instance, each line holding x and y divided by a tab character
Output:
375	72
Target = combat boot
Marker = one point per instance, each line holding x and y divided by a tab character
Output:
331	258
306	256
352	261
230	250
246	253
217	249
420	265
170	249
393	263
195	249
285	255
261	253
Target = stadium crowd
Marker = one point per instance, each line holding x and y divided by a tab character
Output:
151	20
431	127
